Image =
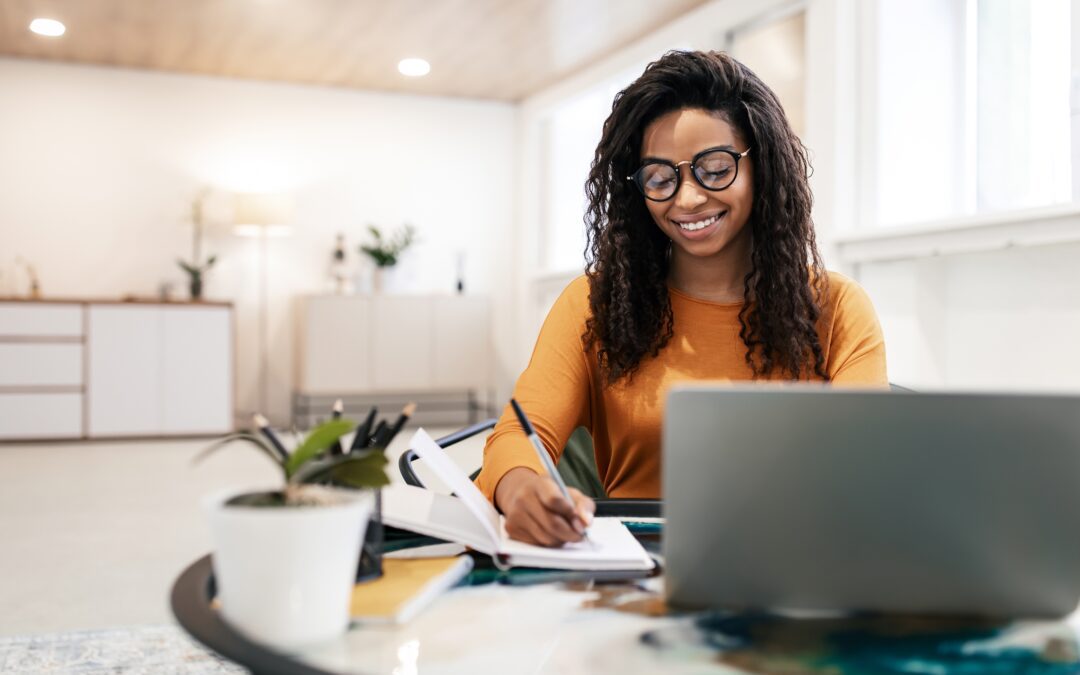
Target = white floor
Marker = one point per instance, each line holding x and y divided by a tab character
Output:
93	534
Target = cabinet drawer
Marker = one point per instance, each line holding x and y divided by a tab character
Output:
41	416
41	364
27	319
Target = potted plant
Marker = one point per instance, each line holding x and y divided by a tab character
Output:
285	559
385	251
197	266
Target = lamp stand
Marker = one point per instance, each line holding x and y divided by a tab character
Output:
264	354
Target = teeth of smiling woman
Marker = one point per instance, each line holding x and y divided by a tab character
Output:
699	224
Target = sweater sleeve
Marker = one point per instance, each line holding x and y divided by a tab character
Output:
553	391
857	345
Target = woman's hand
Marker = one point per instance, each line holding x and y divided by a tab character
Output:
536	511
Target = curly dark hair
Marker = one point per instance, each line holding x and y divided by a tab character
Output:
628	255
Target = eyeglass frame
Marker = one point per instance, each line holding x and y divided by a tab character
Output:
679	176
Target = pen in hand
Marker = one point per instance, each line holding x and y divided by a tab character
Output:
545	459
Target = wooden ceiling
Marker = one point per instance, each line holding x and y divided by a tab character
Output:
491	49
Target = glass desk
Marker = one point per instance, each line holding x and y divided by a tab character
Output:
625	627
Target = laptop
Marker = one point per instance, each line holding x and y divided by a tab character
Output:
813	498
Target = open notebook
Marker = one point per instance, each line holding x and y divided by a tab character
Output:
470	519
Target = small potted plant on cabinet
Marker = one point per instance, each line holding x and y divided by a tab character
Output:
385	251
285	559
197	267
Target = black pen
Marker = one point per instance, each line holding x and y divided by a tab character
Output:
379	428
360	440
545	458
406	413
264	428
336	413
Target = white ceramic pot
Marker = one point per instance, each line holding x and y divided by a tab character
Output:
285	574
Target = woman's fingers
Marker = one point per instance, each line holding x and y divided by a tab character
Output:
544	528
537	512
584	506
555	515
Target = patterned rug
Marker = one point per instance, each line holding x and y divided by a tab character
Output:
149	650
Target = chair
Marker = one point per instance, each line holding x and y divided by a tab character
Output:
577	466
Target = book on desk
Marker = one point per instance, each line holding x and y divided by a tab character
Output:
406	586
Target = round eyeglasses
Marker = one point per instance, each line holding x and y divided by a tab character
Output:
714	169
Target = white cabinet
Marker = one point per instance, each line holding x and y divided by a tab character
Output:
432	349
108	369
461	348
41	370
31	415
159	370
41	364
196	370
402	343
124	373
334	344
41	320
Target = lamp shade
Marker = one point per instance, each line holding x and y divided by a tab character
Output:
254	211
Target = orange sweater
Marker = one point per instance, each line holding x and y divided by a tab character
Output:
561	389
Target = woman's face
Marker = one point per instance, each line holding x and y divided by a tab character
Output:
700	223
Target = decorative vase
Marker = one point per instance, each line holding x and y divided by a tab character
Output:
378	280
196	287
285	574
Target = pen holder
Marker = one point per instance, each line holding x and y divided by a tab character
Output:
370	566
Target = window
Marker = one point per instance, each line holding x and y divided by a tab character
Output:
972	108
569	136
774	47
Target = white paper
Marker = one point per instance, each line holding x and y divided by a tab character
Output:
610	547
450	473
436	515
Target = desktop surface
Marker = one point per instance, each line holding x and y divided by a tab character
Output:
572	628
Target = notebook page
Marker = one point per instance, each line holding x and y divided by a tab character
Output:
450	473
436	515
610	547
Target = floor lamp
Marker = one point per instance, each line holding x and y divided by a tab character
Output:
262	216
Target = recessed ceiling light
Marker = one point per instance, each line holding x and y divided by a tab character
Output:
47	27
414	67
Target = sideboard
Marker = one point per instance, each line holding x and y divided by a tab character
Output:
386	350
73	369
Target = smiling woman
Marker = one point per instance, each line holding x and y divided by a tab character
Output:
702	265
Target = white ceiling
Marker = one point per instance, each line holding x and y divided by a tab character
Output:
491	49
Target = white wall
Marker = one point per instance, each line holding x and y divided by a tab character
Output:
1004	320
98	168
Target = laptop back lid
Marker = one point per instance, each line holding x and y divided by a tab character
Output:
829	499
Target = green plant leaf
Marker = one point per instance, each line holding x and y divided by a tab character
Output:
317	442
186	267
257	441
385	252
210	262
355	470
